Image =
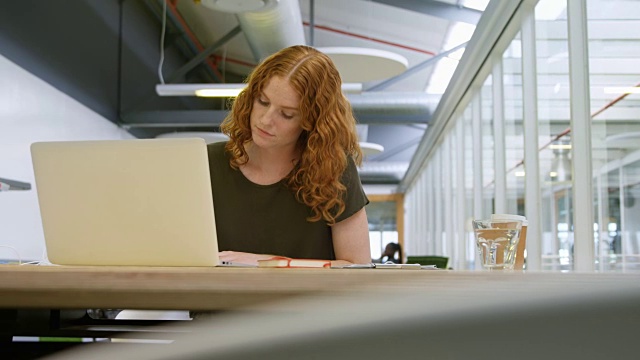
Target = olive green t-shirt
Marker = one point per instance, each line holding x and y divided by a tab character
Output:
267	219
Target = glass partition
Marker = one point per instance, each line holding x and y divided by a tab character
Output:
469	244
491	108
513	130
488	146
614	74
554	134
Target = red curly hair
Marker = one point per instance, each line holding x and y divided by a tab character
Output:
329	134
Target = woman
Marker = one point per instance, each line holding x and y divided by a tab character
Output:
389	254
286	182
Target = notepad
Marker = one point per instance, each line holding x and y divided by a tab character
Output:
285	262
398	266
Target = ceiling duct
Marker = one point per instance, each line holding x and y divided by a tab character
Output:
374	172
269	26
368	108
393	107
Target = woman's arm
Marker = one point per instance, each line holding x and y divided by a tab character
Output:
351	240
242	257
350	244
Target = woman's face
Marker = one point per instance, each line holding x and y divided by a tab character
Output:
275	118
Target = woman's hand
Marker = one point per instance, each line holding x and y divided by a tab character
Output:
242	257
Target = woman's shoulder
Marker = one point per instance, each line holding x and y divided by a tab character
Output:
217	152
216	148
350	173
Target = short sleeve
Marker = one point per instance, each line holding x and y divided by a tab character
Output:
354	198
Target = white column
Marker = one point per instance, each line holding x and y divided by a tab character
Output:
411	243
530	124
476	125
500	201
601	198
580	136
437	195
461	194
449	215
408	220
623	225
429	232
476	134
419	218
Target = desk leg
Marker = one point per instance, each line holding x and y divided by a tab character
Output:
8	324
35	322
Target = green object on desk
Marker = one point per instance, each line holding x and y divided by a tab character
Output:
439	261
59	339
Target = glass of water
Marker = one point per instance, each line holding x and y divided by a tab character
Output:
497	242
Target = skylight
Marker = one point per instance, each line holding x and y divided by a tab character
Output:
445	67
476	4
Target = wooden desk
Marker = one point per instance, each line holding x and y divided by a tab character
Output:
347	314
64	287
52	300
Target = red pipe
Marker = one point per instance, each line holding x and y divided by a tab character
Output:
326	28
321	27
171	4
610	104
235	61
567	131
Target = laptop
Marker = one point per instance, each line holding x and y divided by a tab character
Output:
144	202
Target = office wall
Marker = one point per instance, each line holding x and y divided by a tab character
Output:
32	110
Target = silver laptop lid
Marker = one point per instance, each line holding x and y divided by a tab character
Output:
126	202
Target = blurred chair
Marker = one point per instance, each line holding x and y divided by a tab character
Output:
439	261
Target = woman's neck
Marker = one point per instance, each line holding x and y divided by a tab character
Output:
266	167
